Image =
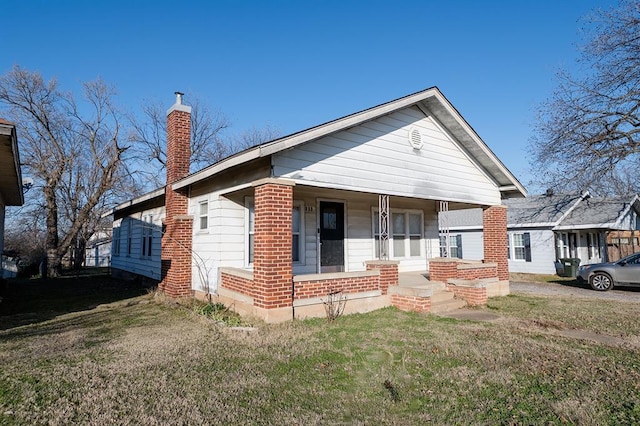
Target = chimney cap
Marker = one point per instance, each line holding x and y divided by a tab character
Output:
178	106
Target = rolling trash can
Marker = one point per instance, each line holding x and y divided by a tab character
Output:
570	266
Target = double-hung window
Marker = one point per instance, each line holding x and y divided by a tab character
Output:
203	215
405	239
520	246
147	236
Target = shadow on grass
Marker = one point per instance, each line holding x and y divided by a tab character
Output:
27	301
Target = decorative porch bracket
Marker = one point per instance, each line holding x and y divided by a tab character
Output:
383	226
443	228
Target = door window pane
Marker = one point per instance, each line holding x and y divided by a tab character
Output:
398	234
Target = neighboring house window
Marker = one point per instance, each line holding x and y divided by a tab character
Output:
405	239
455	246
521	246
203	214
147	236
116	241
297	229
508	247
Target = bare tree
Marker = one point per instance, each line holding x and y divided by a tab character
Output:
73	151
588	132
254	136
149	136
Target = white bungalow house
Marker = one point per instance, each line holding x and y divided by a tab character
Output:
344	206
10	181
545	228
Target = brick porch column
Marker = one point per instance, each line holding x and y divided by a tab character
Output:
494	223
177	238
273	239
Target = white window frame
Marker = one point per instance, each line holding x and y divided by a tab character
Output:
407	234
146	247
249	205
203	216
514	247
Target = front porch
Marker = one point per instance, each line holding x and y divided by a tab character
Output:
461	283
287	273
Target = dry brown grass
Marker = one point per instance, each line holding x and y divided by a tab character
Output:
143	362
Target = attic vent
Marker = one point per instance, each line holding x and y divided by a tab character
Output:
415	138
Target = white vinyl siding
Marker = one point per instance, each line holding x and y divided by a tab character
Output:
139	244
377	157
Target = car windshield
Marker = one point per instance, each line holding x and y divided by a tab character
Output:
632	259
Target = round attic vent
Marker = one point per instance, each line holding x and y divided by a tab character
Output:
415	138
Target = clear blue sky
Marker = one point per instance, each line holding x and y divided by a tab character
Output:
295	64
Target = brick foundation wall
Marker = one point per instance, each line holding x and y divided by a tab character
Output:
442	269
494	223
474	296
235	283
477	273
411	303
322	287
272	262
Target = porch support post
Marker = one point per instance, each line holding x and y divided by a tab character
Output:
272	261
494	223
383	226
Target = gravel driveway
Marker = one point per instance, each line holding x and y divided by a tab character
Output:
627	294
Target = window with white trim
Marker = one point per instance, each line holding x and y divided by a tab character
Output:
519	246
147	235
455	246
203	215
405	238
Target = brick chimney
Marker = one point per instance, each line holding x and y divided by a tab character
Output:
177	237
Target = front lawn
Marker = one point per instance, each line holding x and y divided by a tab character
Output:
138	361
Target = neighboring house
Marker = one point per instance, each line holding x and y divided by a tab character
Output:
545	228
98	249
10	178
274	228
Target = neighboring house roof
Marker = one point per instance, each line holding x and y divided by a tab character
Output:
557	211
430	101
602	212
10	173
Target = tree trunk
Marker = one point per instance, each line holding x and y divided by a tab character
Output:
54	259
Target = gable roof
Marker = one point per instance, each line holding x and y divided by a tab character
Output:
602	212
430	101
10	173
558	212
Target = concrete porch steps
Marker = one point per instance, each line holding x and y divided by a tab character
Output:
444	301
416	283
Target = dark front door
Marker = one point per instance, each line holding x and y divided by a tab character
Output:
331	237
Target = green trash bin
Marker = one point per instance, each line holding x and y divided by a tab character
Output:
570	267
